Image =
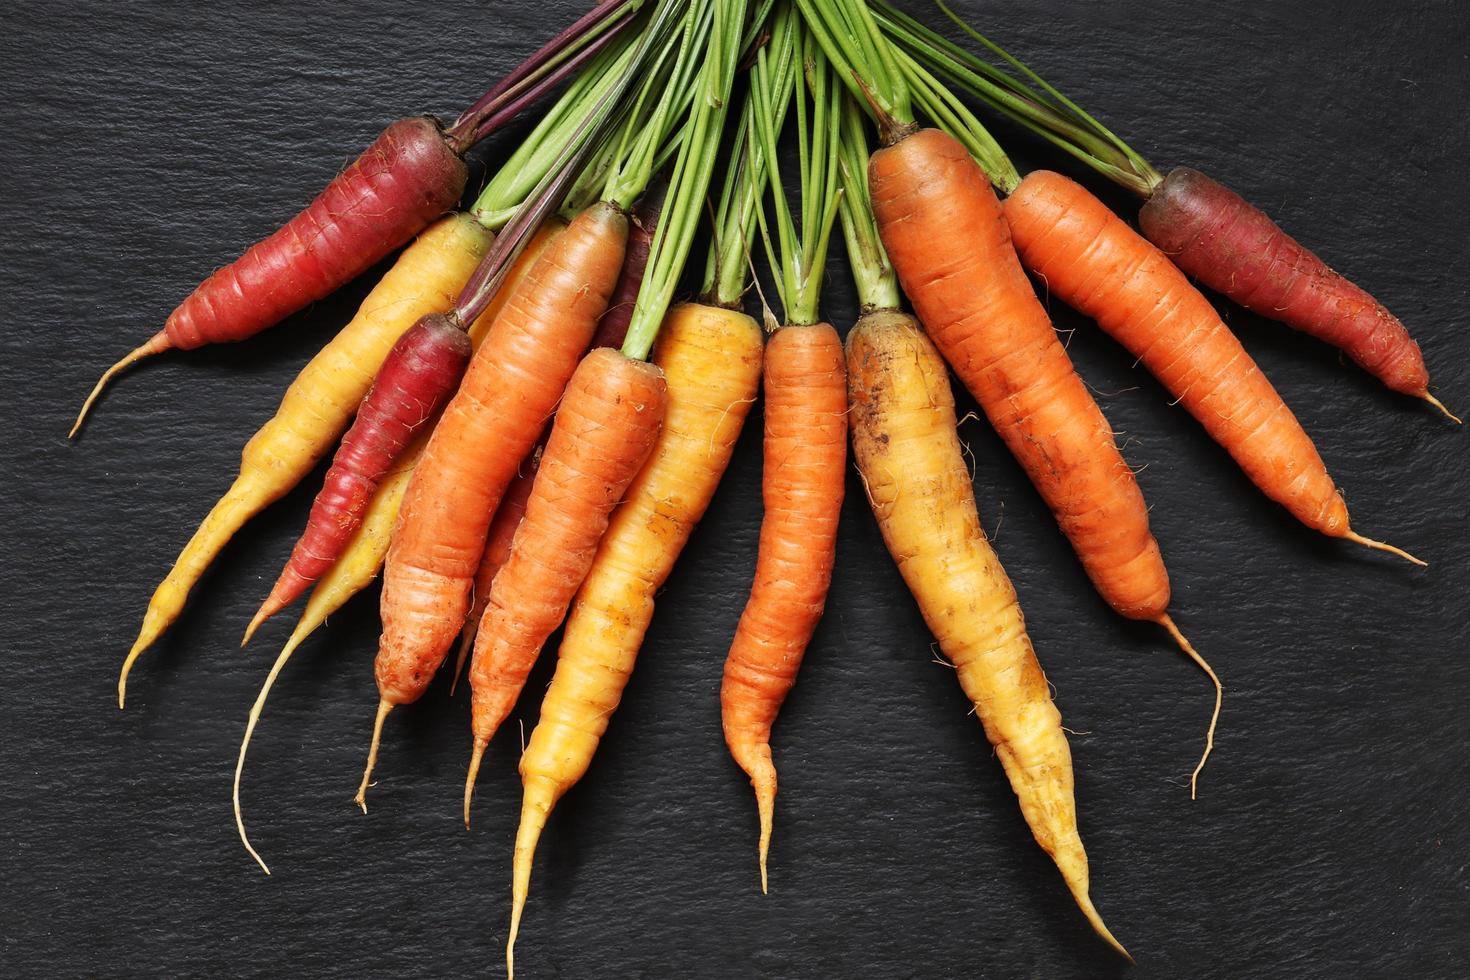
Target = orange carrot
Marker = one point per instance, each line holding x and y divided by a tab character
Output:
605	428
1094	262
802	487
497	549
509	391
946	233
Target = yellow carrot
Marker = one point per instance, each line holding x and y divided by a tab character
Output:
907	450
319	404
711	359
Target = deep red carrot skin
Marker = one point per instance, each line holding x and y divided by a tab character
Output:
409	176
612	329
1233	247
416	379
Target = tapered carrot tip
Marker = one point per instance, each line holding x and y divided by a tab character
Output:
156	344
470	777
464	652
1189	651
1440	405
139	645
272	605
1090	911
536	804
384	706
1352	535
766	803
251	722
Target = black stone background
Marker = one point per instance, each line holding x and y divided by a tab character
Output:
143	144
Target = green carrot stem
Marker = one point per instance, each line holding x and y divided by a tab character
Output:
877	284
727	269
799	253
547	142
690	180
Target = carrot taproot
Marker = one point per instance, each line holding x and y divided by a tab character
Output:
362	556
409	176
711	360
805	416
511	388
318	405
414	382
498	540
605	428
907	450
945	233
412	173
1230	245
1094	262
805	449
353	571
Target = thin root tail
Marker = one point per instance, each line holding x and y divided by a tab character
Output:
1352	535
1189	651
384	706
255	710
1440	405
469	780
156	344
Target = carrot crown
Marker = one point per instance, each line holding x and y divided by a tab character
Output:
1029	100
690	179
593	127
728	267
797	256
890	82
877	283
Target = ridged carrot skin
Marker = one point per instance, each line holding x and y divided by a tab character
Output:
946	235
1092	261
711	358
805	450
320	402
906	447
605	428
510	390
409	176
416	379
1095	263
1233	247
498	540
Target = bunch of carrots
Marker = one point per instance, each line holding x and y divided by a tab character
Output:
531	411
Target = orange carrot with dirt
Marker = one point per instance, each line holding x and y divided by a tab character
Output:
906	447
945	233
410	175
1204	227
805	447
1095	263
605	428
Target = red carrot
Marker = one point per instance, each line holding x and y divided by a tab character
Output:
413	384
413	172
1233	247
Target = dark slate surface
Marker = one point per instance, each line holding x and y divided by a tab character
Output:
144	144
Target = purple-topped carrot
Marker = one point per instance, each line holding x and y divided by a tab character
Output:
413	172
